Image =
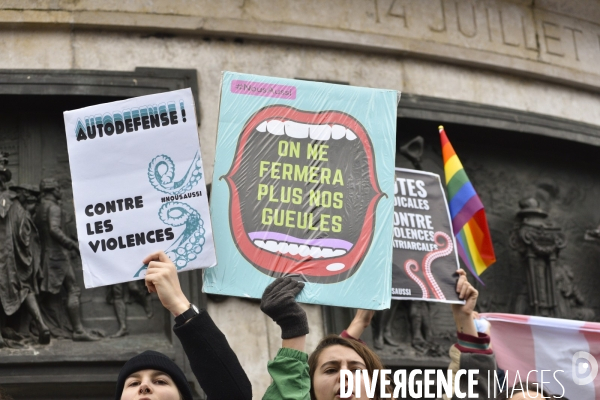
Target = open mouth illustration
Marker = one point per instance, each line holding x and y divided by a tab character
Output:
303	193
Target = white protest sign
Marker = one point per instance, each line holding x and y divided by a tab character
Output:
138	186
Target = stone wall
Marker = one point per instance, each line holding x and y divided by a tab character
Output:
552	39
102	50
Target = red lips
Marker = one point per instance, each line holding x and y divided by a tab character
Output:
322	270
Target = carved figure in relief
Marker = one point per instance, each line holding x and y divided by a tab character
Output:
382	327
539	243
420	324
120	295
57	271
28	195
19	256
571	303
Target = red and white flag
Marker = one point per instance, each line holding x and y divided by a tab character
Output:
564	354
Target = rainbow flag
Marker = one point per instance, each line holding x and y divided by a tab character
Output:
469	224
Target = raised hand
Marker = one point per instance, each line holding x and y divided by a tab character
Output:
161	278
361	321
463	313
279	303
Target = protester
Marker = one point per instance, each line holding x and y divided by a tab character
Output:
473	349
335	353
319	378
289	368
466	355
212	360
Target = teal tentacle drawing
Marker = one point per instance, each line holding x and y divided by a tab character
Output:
161	173
189	244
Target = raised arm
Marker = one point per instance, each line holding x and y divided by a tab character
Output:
289	369
473	349
463	313
362	319
212	360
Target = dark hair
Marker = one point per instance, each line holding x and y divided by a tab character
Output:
371	359
528	387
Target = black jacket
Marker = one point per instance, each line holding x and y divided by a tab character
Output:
213	362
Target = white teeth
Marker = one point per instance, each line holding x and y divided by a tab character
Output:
326	253
275	127
302	249
283	247
337	132
315	252
293	249
271	245
296	130
262	127
320	132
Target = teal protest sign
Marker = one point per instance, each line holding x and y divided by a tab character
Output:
304	186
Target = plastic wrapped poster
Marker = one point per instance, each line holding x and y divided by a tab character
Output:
138	186
303	187
425	257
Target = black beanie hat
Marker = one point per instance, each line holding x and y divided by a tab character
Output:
158	361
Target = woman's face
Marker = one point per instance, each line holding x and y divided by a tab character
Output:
326	380
150	384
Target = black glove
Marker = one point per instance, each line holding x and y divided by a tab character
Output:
279	302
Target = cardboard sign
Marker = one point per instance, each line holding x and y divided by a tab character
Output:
425	257
138	186
303	186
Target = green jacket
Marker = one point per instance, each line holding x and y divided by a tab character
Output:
291	380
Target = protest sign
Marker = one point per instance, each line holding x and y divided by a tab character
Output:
304	178
425	258
138	186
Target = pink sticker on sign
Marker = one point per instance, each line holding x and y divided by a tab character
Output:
263	89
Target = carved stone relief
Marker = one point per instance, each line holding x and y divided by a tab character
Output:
38	221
